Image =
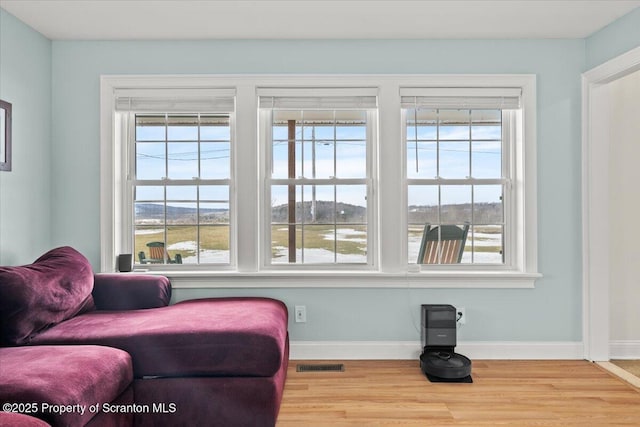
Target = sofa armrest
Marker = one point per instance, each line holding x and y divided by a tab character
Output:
130	291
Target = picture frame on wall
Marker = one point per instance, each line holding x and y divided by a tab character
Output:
5	136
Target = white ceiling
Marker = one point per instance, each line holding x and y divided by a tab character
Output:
315	19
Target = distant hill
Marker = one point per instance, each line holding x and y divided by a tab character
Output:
152	211
323	212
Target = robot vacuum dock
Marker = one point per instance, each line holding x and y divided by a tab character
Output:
439	361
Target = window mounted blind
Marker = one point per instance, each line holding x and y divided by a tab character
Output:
175	100
461	98
318	99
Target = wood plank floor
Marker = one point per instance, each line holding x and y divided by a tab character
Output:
514	393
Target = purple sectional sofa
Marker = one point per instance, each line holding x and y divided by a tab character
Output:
108	350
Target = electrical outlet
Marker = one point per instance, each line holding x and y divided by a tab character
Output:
301	313
461	316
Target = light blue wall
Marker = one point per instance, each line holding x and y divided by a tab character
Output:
25	82
615	39
552	311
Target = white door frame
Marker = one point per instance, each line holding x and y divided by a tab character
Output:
595	200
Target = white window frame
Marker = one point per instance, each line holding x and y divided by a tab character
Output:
511	136
265	128
134	182
172	101
392	269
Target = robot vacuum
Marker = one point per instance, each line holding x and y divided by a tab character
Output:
439	361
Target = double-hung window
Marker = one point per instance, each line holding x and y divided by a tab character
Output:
318	160
176	198
363	178
459	169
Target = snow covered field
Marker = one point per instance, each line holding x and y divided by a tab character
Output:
319	255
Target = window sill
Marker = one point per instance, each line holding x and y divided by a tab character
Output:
346	279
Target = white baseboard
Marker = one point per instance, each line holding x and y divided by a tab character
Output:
624	349
386	350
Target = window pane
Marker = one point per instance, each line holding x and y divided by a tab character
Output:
316	244
183	160
422	124
454	146
182	213
352	128
144	234
351	206
454	159
182	240
486	124
325	133
328	144
319	159
414	233
422	135
151	128
182	128
280	204
215	128
214	244
149	213
423	205
279	243
455	205
214	193
316	240
351	244
215	160
280	159
463	144
214	213
319	204
351	144
351	159
486	159
487	204
182	193
313	204
149	193
486	147
487	244
486	132
150	160
422	159
454	124
279	200
321	244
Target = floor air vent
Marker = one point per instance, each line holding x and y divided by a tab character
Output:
339	367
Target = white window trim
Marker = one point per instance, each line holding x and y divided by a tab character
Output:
511	254
393	269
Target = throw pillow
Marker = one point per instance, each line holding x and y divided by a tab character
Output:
34	297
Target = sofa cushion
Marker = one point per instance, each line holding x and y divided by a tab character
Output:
56	287
73	377
16	419
130	291
215	336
